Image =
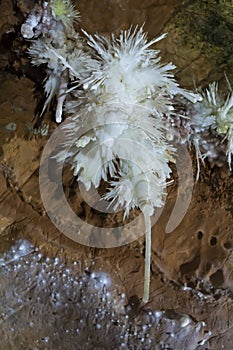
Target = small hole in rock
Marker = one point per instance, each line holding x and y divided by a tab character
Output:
217	279
191	285
134	302
207	267
213	240
200	235
190	266
227	245
217	296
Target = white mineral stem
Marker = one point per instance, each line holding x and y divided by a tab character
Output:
230	146
147	257
61	96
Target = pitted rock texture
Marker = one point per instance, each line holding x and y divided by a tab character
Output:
191	266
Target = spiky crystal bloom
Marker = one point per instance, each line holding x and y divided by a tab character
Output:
131	72
126	99
65	11
70	62
213	114
58	46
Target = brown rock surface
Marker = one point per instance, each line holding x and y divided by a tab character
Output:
192	266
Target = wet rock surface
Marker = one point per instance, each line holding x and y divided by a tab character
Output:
47	278
52	306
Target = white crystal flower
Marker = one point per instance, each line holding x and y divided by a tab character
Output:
127	98
215	114
64	11
130	72
60	47
70	62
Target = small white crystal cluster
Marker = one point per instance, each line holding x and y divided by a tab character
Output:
212	115
59	46
125	107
